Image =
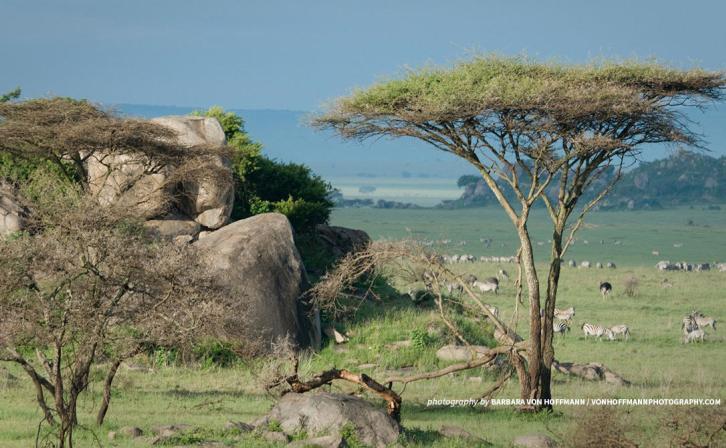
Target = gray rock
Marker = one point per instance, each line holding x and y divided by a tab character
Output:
274	436
132	181
209	201
534	441
167	431
333	441
453	431
325	414
238	426
342	240
257	258
460	352
183	240
171	228
131	431
12	214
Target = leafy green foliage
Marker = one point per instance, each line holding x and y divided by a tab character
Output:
266	185
214	353
11	95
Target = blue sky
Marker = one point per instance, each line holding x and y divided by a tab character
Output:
296	54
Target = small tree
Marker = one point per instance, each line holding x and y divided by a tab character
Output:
87	285
534	131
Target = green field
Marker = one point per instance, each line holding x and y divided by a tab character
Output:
628	237
654	359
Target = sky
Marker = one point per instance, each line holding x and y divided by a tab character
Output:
297	55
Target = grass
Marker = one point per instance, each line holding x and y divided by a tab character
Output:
629	237
654	359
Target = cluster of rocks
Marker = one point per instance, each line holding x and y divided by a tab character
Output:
256	257
665	265
587	265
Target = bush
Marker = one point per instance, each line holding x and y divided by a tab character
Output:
266	185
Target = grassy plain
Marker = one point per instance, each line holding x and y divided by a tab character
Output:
654	359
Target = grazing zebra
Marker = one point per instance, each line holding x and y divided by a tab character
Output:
469	279
694	335
605	288
454	287
704	321
596	330
492	309
503	275
621	329
689	323
560	327
565	314
487	285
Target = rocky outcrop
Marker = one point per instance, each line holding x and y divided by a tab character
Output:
534	441
592	371
136	182
461	353
257	258
325	414
172	227
342	240
12	214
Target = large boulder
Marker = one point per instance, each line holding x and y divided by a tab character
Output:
139	183
326	414
12	214
342	240
209	200
257	258
172	227
132	181
462	353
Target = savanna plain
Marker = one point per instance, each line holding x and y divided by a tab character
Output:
157	389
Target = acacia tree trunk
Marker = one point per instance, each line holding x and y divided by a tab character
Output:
107	392
531	387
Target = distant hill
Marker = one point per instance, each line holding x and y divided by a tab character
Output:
682	178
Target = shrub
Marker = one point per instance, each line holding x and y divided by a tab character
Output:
266	185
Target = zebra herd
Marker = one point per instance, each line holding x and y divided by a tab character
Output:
694	326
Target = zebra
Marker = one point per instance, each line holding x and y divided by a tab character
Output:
621	329
469	279
605	288
561	327
704	321
694	335
489	284
492	309
596	330
503	275
454	287
565	314
689	324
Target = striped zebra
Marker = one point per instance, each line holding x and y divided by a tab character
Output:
561	327
492	309
596	330
565	314
704	321
689	324
694	335
620	329
454	287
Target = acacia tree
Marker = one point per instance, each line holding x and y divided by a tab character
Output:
535	132
86	285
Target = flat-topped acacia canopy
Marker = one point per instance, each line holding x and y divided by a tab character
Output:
476	96
528	126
